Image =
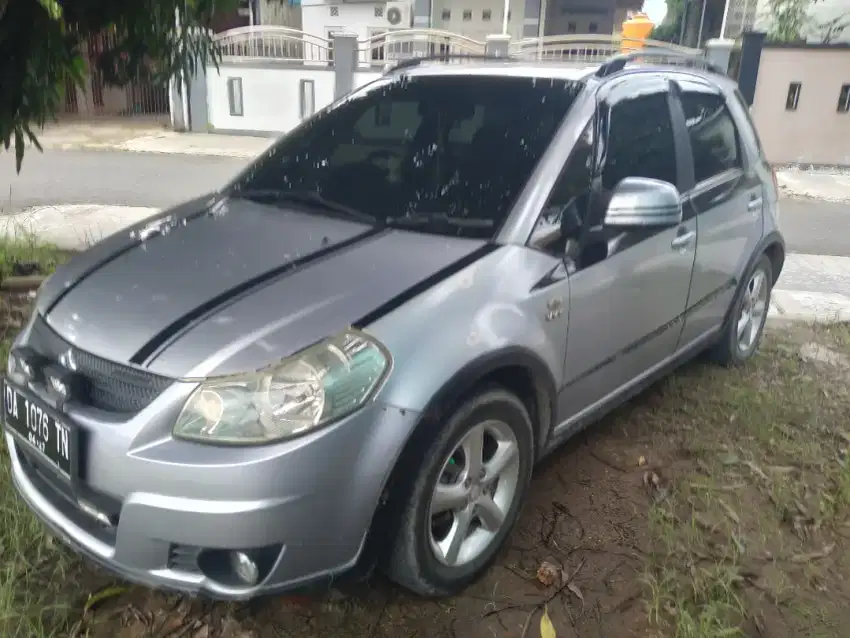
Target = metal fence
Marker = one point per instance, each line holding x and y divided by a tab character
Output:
584	49
139	98
403	44
283	43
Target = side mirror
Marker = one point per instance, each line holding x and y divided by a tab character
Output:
641	202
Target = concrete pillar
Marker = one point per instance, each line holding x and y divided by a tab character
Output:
719	51
748	70
497	45
345	62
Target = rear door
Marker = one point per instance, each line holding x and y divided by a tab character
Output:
726	203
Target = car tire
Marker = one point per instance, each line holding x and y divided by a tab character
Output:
753	300
422	557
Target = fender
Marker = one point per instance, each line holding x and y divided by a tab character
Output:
500	367
772	245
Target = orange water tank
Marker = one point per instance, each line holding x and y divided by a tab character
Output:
635	30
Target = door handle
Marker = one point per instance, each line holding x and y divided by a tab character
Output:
754	204
682	242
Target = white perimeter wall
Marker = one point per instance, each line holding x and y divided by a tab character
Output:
270	94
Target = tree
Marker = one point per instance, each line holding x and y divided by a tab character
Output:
40	51
831	30
788	19
670	28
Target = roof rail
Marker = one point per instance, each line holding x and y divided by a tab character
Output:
618	62
447	57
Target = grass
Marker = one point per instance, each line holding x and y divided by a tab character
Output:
751	539
740	484
34	572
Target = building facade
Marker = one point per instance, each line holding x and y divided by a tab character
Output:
471	18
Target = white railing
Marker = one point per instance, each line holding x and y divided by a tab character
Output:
581	48
394	46
267	42
272	42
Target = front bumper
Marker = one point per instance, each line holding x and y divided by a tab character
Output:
171	510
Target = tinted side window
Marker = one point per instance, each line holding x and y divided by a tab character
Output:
714	138
640	141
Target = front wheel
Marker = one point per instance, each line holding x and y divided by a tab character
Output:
745	325
467	496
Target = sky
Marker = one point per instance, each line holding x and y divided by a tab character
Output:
655	9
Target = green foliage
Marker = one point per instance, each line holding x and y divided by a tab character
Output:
40	51
788	19
670	28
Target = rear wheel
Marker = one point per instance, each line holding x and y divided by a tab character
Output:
466	497
745	325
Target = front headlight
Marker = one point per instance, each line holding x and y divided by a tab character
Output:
312	388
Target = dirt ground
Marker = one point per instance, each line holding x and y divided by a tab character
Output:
714	505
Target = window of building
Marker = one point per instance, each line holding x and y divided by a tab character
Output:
467	15
571	27
487	15
793	97
592	27
334	12
447	14
844	99
234	96
714	138
379	11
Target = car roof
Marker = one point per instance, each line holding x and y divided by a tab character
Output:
549	69
555	70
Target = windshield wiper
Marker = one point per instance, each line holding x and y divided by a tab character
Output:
311	198
419	220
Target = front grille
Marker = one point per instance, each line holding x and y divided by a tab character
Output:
110	386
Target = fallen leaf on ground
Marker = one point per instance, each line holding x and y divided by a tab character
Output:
576	592
99	596
805	558
547	629
642	461
733	516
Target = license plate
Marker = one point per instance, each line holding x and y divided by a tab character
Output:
32	422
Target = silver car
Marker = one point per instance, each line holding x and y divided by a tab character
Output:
354	354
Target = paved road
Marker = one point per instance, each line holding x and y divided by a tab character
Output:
143	179
117	178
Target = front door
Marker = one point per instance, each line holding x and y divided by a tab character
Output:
628	290
726	204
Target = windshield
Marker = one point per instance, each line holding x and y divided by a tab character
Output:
438	154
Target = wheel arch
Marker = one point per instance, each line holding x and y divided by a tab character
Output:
515	369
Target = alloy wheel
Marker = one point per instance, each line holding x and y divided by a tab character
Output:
475	490
754	307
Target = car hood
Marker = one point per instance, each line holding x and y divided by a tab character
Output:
213	288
